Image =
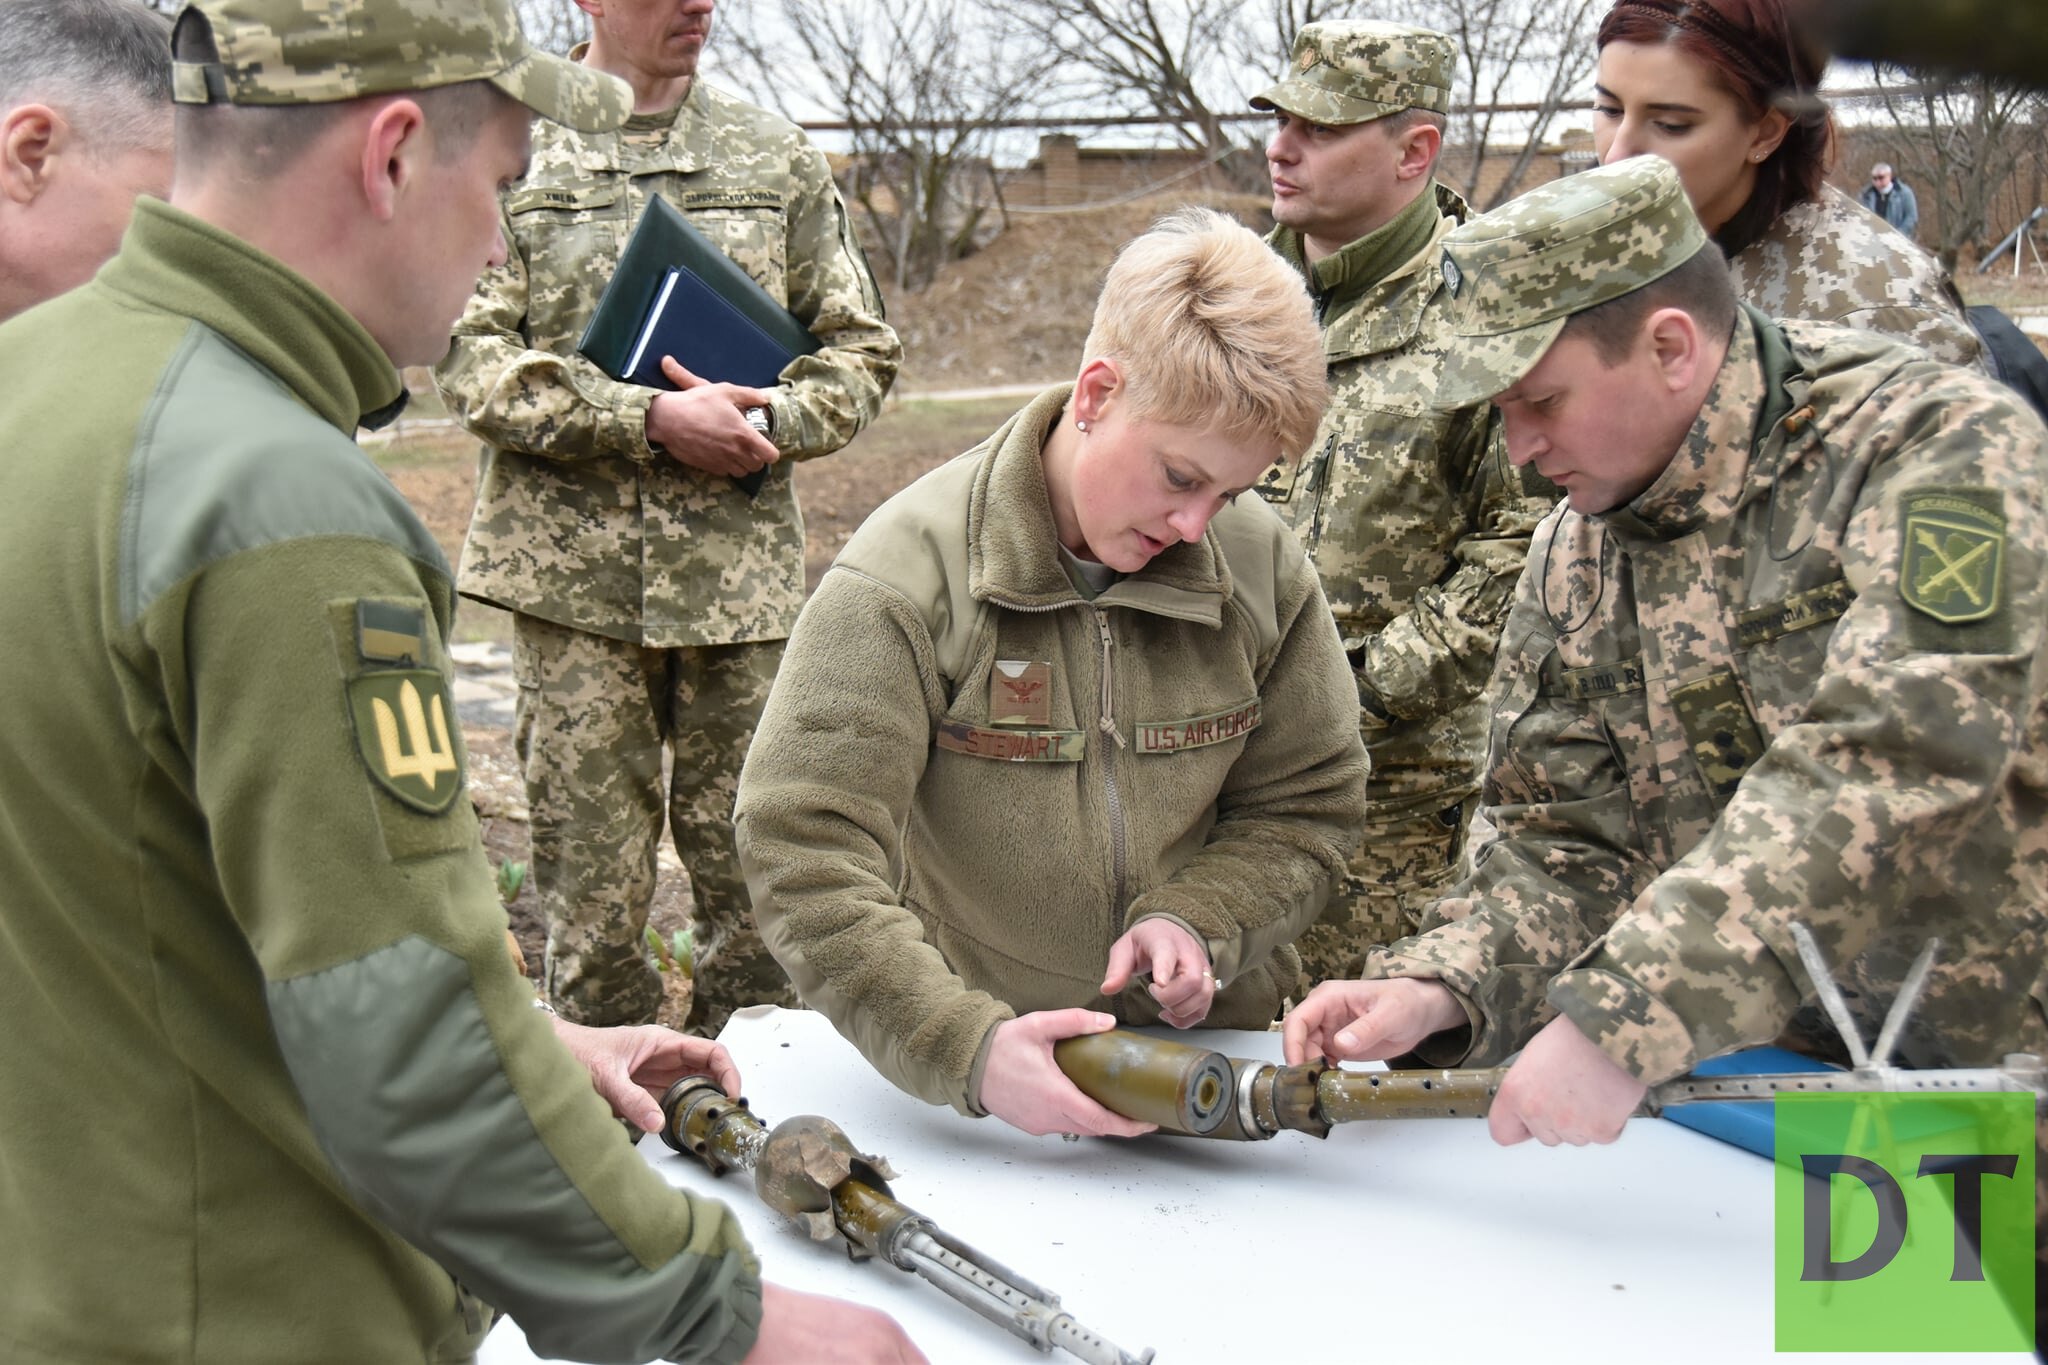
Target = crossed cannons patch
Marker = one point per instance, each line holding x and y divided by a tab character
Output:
1952	553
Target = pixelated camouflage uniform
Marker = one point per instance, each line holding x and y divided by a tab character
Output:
1722	711
1418	526
652	598
1833	260
1415	520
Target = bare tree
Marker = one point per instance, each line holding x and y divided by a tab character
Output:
553	25
1520	63
920	86
1172	59
1962	142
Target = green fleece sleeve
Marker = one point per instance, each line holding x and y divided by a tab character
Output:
321	744
1291	811
823	802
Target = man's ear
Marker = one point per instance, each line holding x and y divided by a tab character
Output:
1100	380
1674	340
395	152
1418	149
32	137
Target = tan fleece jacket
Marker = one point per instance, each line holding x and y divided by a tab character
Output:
970	780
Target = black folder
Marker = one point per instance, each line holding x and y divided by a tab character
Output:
674	293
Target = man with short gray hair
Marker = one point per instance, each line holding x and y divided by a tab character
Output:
85	126
1891	199
1415	519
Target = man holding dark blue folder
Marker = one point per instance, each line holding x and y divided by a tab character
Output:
651	593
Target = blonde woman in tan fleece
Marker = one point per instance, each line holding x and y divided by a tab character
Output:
1066	737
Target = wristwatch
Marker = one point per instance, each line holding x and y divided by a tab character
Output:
760	419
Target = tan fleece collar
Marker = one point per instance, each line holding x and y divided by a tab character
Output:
1013	546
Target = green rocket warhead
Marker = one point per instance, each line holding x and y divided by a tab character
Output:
809	1171
1193	1092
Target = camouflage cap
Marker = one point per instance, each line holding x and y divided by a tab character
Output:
273	52
1354	72
1517	274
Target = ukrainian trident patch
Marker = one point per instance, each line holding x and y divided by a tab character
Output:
401	723
1952	553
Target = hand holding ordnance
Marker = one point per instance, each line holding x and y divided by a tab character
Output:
1195	1092
808	1171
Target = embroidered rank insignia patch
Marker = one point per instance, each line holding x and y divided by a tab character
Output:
1952	553
1011	746
1020	693
1171	736
401	723
390	633
1718	727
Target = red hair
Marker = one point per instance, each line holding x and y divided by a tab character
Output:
1748	49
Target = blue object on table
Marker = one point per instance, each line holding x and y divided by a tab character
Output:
1747	1124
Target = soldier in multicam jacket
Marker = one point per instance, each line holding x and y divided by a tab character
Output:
1415	520
1780	658
651	595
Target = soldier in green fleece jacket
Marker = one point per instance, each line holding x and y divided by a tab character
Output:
1068	712
274	1091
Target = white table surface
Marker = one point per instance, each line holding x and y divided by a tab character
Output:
1389	1242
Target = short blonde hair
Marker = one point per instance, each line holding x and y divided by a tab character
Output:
1213	330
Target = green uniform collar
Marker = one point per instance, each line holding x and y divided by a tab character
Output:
1371	295
179	263
1380	253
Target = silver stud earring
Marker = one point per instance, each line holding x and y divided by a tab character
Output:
1081	426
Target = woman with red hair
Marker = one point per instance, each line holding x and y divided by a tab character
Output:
1724	91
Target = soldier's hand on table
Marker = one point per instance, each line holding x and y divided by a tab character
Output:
703	425
811	1327
1563	1088
1367	1021
1178	964
632	1067
1024	1087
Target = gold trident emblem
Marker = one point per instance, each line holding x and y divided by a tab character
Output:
422	756
1952	568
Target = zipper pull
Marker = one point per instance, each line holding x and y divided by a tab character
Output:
1106	722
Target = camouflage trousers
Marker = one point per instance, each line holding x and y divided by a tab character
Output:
594	717
1403	865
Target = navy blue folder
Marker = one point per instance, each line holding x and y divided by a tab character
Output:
675	293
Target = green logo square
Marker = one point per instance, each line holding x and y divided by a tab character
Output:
1905	1222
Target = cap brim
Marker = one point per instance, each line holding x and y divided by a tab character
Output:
566	92
1306	100
1478	367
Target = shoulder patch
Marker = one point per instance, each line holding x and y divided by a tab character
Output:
1952	553
401	725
